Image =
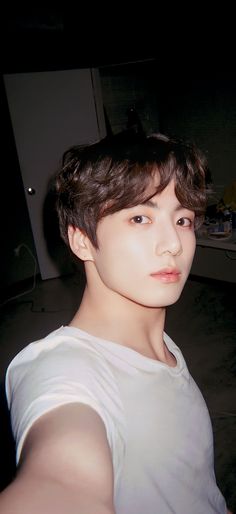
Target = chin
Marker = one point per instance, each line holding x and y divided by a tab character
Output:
168	299
158	303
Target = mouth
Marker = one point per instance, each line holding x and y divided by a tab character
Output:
167	275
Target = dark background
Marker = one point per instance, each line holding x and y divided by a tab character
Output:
187	58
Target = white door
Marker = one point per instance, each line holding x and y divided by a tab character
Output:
51	111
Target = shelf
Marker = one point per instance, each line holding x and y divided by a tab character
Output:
223	244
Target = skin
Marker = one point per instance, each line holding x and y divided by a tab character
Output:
66	463
134	246
65	467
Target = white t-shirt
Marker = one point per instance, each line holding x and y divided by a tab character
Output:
156	419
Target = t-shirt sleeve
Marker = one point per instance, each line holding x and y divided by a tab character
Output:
40	379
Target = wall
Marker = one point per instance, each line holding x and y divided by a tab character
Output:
131	85
204	110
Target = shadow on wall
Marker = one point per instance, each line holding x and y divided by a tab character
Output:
63	258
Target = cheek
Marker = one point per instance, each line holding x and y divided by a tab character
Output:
122	253
193	244
121	244
189	249
120	258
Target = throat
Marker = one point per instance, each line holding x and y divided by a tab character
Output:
160	353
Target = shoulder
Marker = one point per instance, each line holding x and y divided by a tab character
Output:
60	364
60	353
58	341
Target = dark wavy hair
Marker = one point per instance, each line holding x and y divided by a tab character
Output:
115	174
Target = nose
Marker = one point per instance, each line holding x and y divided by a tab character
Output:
168	241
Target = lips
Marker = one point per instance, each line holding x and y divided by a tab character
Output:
168	275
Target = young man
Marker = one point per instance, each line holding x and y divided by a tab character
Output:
106	416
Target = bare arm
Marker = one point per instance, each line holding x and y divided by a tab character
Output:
66	466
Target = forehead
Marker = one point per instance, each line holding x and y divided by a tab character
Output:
152	185
156	199
156	187
166	193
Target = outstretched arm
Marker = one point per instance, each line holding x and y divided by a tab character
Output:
66	466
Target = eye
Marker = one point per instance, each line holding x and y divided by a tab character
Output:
141	220
185	222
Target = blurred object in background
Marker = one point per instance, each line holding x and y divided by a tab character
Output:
134	124
221	227
220	218
228	201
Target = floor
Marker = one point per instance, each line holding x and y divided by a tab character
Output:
202	323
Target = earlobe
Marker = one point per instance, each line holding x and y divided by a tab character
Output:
79	243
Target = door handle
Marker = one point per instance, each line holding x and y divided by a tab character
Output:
31	191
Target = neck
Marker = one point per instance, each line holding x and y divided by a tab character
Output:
108	315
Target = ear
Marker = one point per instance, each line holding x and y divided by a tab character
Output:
80	243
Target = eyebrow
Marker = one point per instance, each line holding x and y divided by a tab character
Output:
151	203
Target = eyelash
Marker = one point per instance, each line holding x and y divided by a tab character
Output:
190	222
141	217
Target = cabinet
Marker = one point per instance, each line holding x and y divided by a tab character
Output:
215	259
51	111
